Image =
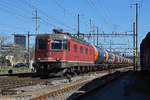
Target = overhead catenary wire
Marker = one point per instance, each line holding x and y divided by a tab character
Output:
66	10
47	23
14	27
19	12
104	15
105	10
92	5
13	10
46	15
21	17
69	12
141	6
17	8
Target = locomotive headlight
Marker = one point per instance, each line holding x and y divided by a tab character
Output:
38	58
58	59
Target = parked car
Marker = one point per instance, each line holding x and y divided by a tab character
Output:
21	65
9	64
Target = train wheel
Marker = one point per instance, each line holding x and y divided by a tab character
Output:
86	70
68	72
44	74
82	70
72	71
38	72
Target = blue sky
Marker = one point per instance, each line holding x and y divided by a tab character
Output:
108	15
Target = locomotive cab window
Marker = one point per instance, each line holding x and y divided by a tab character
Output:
59	44
42	44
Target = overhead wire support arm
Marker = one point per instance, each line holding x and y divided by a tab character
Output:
78	25
29	49
90	30
136	34
97	35
107	35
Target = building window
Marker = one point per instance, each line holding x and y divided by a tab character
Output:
81	49
86	50
75	48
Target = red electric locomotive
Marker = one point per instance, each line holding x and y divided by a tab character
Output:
62	52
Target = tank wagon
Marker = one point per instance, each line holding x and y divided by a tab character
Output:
62	52
145	53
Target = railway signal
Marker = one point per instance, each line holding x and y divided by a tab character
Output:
134	49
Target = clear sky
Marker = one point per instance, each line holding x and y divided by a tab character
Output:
109	15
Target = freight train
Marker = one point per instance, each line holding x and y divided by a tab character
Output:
62	52
145	53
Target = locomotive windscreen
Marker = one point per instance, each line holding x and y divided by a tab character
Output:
42	44
58	44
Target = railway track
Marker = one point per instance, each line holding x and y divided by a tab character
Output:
11	83
78	85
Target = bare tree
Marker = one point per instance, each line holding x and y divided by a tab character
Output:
18	53
3	40
8	49
32	52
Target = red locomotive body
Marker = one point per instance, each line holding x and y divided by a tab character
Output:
56	52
